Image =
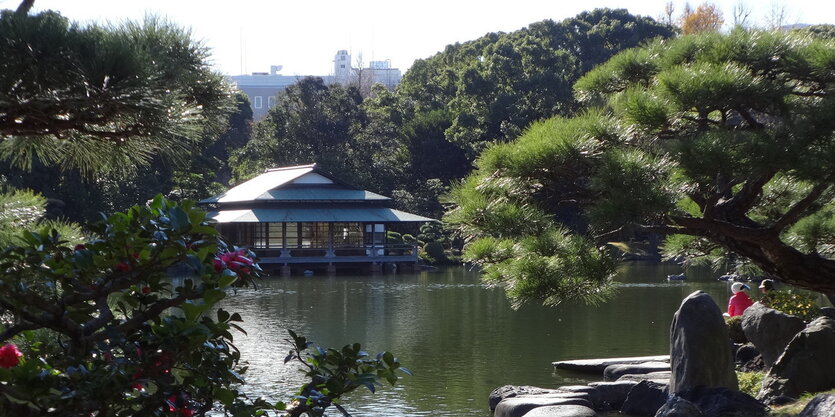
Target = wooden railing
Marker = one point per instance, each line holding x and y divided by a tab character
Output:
370	253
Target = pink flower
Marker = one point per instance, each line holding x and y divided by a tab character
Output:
9	356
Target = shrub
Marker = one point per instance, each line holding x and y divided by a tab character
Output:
104	331
750	382
393	237
735	329
409	239
791	302
435	252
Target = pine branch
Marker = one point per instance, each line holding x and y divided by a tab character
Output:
795	212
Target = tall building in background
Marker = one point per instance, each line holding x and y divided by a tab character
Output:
263	88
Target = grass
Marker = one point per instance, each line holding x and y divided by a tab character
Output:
751	382
795	408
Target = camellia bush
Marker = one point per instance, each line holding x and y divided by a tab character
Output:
100	329
126	324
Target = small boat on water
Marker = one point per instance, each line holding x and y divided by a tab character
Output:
676	277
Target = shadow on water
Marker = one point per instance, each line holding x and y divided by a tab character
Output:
460	338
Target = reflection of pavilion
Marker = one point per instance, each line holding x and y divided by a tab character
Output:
303	218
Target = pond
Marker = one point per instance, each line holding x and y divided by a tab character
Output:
459	338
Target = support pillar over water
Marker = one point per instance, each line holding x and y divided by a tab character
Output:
376	267
285	270
331	269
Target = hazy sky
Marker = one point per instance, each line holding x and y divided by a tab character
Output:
303	36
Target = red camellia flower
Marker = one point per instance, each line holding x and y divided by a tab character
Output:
146	290
9	356
123	267
79	246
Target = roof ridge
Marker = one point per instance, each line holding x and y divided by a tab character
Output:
313	165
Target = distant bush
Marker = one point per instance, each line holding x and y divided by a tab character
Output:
435	252
394	237
790	302
409	239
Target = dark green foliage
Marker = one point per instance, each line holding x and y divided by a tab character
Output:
336	372
497	85
719	141
91	96
435	252
311	122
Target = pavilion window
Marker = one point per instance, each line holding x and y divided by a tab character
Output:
291	235
260	236
347	235
375	234
275	235
315	235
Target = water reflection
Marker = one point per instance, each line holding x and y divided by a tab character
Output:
460	338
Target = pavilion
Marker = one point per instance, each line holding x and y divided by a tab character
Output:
302	218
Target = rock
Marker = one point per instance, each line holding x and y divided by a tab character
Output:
770	330
562	411
597	366
509	391
746	353
699	349
678	407
820	406
807	364
519	406
724	402
613	394
614	372
592	394
644	399
663	376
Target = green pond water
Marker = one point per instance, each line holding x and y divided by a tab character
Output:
460	339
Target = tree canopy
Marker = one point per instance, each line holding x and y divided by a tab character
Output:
95	97
722	143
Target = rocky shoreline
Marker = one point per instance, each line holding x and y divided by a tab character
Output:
697	379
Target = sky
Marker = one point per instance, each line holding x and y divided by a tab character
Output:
304	35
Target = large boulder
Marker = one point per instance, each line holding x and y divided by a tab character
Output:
724	402
678	407
700	353
561	411
820	406
519	406
613	372
644	399
807	364
770	330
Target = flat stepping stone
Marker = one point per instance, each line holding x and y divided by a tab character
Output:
562	411
519	406
613	372
613	394
652	376
599	365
